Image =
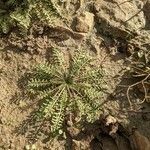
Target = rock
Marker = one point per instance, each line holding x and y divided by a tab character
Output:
113	17
27	147
85	22
139	141
33	147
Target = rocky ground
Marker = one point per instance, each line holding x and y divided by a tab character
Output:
112	30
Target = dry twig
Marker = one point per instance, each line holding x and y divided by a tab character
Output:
135	84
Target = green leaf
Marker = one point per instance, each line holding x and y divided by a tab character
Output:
65	89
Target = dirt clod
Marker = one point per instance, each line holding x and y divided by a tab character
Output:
85	22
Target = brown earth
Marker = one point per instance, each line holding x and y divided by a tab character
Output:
105	38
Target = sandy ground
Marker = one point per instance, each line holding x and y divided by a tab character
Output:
18	56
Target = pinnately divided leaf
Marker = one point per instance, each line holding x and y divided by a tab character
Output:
64	89
22	12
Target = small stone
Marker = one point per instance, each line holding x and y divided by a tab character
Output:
110	120
128	68
85	22
22	104
27	147
33	147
